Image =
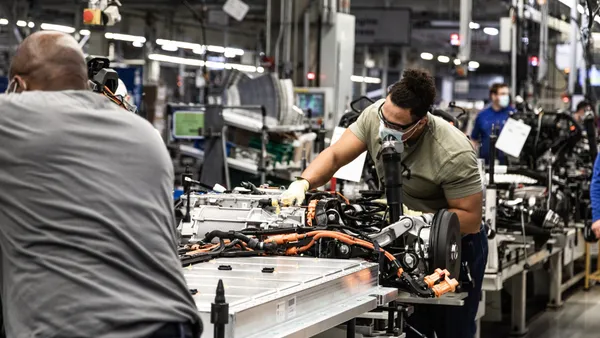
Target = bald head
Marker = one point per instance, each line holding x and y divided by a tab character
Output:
49	61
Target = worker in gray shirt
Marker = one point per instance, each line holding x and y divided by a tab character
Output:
87	235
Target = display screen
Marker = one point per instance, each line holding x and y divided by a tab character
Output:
188	124
313	101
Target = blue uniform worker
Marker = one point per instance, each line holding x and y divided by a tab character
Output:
495	115
595	197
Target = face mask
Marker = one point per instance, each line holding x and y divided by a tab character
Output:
503	101
386	133
12	87
389	134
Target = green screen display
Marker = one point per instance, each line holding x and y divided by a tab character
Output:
188	124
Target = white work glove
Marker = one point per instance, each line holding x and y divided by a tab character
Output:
295	193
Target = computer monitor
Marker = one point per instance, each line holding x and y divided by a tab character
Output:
186	122
313	101
319	100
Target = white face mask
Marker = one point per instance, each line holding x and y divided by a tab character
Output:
387	134
503	101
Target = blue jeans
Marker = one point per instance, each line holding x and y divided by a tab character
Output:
454	321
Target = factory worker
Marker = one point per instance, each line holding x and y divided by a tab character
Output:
444	174
88	240
495	115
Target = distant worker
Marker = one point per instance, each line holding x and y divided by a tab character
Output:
445	176
595	197
494	115
582	108
87	235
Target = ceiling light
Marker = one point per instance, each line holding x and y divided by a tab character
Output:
216	49
473	64
138	44
457	62
580	9
426	56
200	63
474	25
84	32
490	31
365	79
124	37
21	23
31	24
236	51
174	59
178	44
3	22
443	59
200	50
169	48
59	28
229	54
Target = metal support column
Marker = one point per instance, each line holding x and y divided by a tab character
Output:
556	262
267	30
519	297
543	53
363	85
306	58
287	37
464	50
384	70
513	51
574	45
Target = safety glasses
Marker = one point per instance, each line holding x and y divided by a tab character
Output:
395	126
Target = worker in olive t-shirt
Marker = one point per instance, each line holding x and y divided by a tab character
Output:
443	174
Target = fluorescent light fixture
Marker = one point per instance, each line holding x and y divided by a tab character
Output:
229	54
236	51
473	64
31	24
580	9
85	32
426	56
138	44
457	62
199	50
21	23
365	79
443	59
59	28
216	49
3	22
200	63
490	31
178	44
474	25
124	37
175	59
169	48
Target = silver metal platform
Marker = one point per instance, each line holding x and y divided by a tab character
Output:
301	298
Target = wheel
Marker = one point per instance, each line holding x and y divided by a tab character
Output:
445	243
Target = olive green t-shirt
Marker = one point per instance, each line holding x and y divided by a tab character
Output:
442	162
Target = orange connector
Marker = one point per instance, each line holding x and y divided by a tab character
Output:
449	285
435	277
312	212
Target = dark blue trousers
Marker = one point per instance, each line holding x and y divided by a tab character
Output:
454	321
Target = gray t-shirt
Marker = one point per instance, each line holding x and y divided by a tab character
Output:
87	236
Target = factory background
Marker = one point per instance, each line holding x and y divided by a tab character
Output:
248	93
